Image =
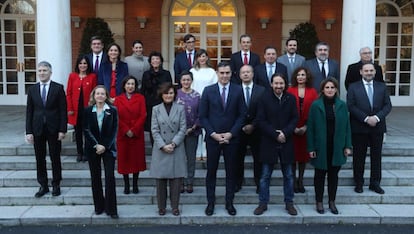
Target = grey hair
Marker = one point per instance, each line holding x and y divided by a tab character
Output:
363	48
45	64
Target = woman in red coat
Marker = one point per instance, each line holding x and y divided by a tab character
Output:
80	85
130	140
305	95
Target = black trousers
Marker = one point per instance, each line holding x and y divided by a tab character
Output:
319	183
360	143
55	147
105	203
79	131
252	141
214	151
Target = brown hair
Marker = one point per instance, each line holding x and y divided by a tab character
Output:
309	78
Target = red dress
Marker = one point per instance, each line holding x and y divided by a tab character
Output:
131	151
73	91
301	155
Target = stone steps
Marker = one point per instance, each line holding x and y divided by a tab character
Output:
80	178
194	214
69	163
18	196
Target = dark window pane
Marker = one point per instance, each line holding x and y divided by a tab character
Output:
391	90
12	89
404	90
405	78
11	76
30	77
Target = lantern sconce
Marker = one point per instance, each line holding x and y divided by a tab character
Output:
142	20
329	22
76	20
264	21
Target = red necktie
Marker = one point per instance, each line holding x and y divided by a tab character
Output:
245	60
189	60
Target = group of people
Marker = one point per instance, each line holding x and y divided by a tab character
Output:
274	108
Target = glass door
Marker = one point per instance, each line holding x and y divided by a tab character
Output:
18	59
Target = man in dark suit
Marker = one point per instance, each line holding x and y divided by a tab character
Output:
368	103
291	59
353	71
46	121
243	57
322	66
97	56
184	61
263	73
276	119
249	134
221	112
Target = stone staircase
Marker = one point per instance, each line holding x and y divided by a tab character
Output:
18	185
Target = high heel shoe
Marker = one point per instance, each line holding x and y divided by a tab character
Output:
333	208
319	208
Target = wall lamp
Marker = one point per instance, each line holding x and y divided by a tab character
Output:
142	20
264	22
76	20
329	22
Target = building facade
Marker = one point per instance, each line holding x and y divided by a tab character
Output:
35	30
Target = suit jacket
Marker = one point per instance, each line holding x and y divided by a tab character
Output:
251	109
359	107
236	63
106	136
73	92
53	114
284	59
353	74
275	114
313	66
181	64
105	75
260	74
103	60
215	118
168	128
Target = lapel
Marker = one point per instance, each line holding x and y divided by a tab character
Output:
316	66
364	93
165	117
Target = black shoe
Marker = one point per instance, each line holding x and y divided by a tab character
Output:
135	189
98	212
319	208
42	191
230	208
114	216
358	189
260	209
79	158
333	208
209	209
56	190
126	190
376	189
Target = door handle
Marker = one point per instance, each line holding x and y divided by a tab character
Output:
22	67
17	67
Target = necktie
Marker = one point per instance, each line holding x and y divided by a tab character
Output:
270	73
370	94
291	60
96	68
245	59
323	70
189	60
44	94
247	95
223	97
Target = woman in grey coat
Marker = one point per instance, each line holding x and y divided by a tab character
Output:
168	126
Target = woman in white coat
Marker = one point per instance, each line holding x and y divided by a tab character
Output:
168	127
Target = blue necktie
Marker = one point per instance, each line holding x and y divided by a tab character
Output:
247	95
223	97
370	95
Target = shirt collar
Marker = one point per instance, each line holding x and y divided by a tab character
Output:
248	85
105	107
45	83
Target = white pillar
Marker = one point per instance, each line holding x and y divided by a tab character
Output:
358	30
54	41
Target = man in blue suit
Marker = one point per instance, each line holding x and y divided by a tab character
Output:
368	103
222	111
243	57
97	56
184	61
322	66
263	73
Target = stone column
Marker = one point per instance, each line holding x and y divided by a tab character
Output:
358	30
53	37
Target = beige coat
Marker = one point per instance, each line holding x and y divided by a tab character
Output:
165	130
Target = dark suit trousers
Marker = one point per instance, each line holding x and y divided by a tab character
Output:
360	143
175	185
105	203
230	159
241	153
55	147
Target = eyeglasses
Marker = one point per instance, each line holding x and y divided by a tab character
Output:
368	52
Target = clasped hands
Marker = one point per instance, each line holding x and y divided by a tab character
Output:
222	138
372	121
281	138
169	148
